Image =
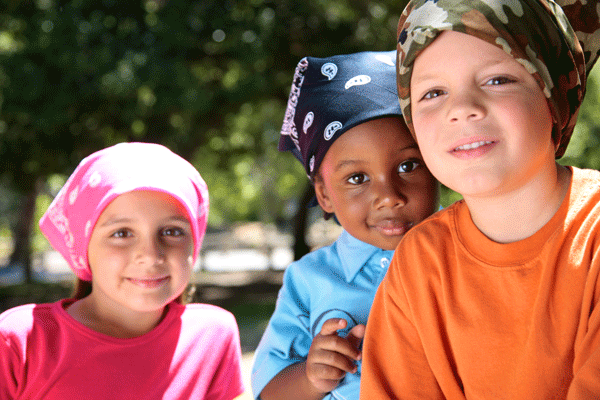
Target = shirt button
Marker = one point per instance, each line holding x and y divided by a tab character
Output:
384	263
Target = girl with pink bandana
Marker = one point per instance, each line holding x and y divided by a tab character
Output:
130	222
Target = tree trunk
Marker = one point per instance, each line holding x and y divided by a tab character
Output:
21	254
301	223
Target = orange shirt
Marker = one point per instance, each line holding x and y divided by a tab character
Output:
459	316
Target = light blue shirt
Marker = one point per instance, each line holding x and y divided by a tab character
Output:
337	281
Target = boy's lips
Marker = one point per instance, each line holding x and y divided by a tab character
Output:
392	228
472	147
149	282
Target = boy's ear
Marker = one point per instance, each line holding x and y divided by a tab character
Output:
322	195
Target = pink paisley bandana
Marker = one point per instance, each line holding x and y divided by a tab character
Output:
108	173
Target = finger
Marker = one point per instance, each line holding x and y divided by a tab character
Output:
356	335
330	364
336	344
332	325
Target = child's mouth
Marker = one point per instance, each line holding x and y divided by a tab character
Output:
473	149
149	282
392	229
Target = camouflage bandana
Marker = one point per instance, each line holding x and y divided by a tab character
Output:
331	95
535	32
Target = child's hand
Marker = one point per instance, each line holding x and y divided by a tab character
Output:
331	356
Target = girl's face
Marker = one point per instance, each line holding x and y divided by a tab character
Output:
482	122
140	252
374	180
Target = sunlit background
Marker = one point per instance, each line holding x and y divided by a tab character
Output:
210	80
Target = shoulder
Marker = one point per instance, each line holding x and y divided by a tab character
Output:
21	318
19	324
208	316
316	262
438	227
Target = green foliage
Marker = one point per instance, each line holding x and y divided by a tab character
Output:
583	147
207	78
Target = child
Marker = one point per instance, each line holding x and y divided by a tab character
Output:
344	124
130	220
495	297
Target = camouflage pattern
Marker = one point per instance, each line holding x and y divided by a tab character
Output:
537	33
584	16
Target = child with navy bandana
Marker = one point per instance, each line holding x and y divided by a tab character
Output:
343	122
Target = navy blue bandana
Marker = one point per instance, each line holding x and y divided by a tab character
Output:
331	95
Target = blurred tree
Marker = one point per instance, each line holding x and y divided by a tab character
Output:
209	79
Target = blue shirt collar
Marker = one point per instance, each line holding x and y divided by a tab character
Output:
354	254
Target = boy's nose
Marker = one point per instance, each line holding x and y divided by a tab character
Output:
390	195
465	107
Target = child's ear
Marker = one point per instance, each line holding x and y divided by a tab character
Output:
323	195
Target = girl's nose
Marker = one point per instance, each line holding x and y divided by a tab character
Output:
150	251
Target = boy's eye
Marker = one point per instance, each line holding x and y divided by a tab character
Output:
358	179
432	94
499	80
408	166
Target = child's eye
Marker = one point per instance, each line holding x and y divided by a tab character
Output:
358	179
174	232
432	94
499	80
121	233
408	166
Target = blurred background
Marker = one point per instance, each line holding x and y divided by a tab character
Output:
210	80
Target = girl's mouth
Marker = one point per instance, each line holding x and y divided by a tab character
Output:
149	282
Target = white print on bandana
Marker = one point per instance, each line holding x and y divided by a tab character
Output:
308	120
95	179
385	59
73	195
311	164
329	70
331	129
358	80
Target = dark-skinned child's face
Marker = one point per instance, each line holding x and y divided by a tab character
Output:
374	180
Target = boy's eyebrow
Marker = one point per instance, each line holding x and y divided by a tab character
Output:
431	75
345	163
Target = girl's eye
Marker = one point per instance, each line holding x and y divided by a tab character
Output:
175	232
499	80
432	94
358	179
121	233
408	166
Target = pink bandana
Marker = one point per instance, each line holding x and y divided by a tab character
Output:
108	173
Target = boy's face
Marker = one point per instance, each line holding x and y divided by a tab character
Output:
374	180
481	120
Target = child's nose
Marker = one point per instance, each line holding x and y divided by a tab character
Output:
465	106
390	195
150	251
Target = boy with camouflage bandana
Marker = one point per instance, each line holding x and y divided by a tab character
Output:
497	296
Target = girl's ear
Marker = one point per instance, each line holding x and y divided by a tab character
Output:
322	195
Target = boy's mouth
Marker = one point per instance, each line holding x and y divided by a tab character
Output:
472	148
474	145
390	228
